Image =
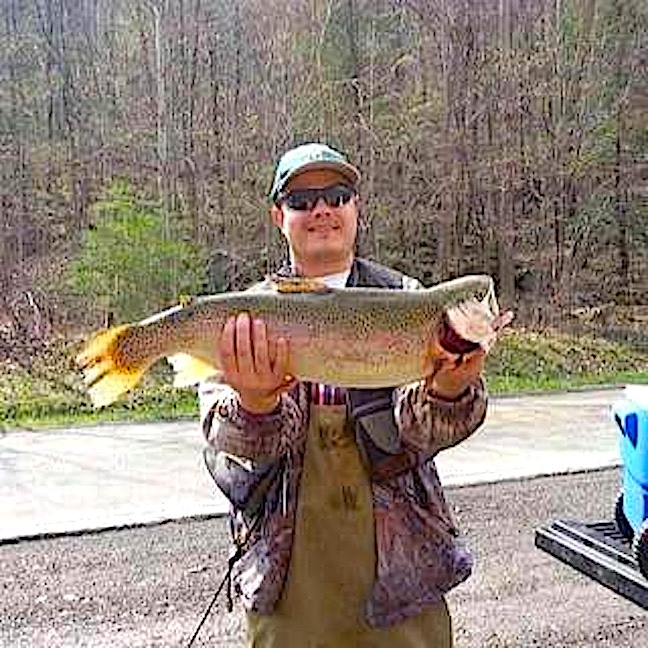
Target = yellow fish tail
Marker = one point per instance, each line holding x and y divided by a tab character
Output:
108	372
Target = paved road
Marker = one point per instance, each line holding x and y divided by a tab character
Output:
68	480
148	586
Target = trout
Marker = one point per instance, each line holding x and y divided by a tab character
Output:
349	337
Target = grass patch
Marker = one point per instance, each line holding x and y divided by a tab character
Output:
529	361
161	403
50	392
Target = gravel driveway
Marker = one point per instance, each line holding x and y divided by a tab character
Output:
149	586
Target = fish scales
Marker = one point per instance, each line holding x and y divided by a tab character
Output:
356	338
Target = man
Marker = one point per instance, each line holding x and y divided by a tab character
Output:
346	537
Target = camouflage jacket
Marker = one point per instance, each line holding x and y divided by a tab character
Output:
256	460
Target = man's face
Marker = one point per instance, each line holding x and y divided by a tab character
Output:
322	235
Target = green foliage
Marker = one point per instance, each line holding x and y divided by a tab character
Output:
135	259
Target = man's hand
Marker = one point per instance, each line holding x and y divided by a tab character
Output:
453	373
253	364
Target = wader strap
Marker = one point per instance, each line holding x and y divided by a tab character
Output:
372	413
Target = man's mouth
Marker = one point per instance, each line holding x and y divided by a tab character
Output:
323	227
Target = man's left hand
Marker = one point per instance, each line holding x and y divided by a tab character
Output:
454	373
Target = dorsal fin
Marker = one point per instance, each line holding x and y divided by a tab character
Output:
298	284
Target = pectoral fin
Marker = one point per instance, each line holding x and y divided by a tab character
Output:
190	370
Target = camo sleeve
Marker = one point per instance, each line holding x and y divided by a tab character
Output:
430	424
246	451
229	428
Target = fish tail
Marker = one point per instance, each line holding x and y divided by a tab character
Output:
109	371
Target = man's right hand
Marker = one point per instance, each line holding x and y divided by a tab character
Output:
253	364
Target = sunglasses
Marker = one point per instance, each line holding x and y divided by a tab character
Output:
306	199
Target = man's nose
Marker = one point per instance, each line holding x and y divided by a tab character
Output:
320	206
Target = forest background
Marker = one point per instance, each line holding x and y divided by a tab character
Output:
138	138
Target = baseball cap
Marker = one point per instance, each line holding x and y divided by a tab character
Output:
307	157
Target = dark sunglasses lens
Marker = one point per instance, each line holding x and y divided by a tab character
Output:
299	200
337	196
306	199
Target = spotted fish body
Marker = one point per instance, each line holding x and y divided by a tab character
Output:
350	337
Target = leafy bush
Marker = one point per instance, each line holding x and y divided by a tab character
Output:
134	260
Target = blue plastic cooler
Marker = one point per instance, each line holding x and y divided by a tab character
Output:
632	418
614	552
631	508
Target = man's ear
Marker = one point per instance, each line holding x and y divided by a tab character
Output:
277	216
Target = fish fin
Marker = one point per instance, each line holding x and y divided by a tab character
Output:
106	370
184	301
298	284
190	370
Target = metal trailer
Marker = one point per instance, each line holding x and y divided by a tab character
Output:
598	550
614	552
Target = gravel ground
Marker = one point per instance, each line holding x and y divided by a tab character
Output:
149	586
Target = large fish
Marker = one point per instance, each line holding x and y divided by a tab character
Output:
350	337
